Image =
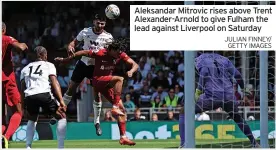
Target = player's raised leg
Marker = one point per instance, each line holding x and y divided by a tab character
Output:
116	83
111	88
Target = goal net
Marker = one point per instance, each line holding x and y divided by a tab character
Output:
221	131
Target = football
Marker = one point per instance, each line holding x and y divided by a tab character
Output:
112	11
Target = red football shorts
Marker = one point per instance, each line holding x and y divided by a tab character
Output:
100	85
10	93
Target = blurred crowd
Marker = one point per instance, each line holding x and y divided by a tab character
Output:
159	83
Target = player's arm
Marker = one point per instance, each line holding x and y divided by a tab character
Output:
16	44
72	44
57	89
71	47
21	46
128	60
203	73
55	84
134	65
77	55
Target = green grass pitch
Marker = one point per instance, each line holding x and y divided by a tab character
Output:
172	143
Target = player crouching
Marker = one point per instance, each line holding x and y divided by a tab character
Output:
36	80
105	83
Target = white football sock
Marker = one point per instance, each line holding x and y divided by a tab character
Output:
97	106
61	132
30	133
67	99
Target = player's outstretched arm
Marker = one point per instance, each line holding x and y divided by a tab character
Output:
76	55
134	67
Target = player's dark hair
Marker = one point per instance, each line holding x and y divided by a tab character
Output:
100	16
119	44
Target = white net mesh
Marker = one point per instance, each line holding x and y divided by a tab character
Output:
221	131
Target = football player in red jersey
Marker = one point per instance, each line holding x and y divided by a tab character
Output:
104	82
10	93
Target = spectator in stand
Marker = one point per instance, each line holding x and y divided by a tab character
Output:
178	91
142	68
177	58
180	66
159	64
147	64
171	64
160	92
128	104
171	100
145	97
154	117
170	116
149	78
150	59
136	81
180	79
137	116
152	72
160	80
169	75
134	96
156	103
108	117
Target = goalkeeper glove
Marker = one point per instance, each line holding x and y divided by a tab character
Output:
197	94
246	92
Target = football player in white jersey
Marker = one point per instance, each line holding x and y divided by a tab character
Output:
93	38
36	81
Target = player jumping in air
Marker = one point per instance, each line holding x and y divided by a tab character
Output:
93	39
36	80
215	89
10	93
107	84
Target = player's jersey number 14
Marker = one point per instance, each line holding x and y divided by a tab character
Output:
35	71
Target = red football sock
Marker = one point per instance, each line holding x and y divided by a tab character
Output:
13	125
122	127
3	129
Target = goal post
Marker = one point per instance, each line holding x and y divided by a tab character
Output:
189	107
264	98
